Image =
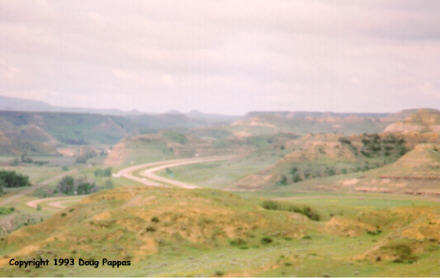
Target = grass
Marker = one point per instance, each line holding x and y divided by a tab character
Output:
6	211
185	227
221	174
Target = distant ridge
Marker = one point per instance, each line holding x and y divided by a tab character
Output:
420	120
27	105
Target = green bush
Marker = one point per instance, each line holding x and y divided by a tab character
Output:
402	252
269	204
374	233
5	211
266	240
304	210
11	179
150	229
238	242
155	219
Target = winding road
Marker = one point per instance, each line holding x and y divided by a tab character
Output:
142	173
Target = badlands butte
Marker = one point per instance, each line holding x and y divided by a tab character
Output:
265	194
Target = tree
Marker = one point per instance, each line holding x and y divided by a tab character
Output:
297	178
283	180
67	185
2	184
12	179
107	172
85	187
330	171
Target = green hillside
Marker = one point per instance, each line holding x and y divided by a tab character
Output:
173	232
42	132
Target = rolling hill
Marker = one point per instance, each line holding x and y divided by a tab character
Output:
145	224
42	132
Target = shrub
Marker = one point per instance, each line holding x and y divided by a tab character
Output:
155	219
374	233
4	211
266	240
238	242
150	229
269	204
86	156
305	210
331	171
344	140
402	252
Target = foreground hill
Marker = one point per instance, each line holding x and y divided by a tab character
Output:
175	232
145	224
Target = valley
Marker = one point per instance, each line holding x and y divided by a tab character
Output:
260	195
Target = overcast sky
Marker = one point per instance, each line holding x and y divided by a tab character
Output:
223	56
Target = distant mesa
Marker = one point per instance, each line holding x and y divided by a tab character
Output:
422	120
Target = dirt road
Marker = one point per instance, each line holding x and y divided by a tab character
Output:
55	202
147	177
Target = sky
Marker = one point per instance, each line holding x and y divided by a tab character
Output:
223	56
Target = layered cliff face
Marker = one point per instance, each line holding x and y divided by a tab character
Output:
422	120
309	122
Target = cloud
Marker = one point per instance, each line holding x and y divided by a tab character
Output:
223	56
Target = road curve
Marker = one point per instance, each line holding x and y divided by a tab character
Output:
57	201
150	173
149	178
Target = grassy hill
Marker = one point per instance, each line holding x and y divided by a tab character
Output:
173	232
417	172
144	224
323	155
